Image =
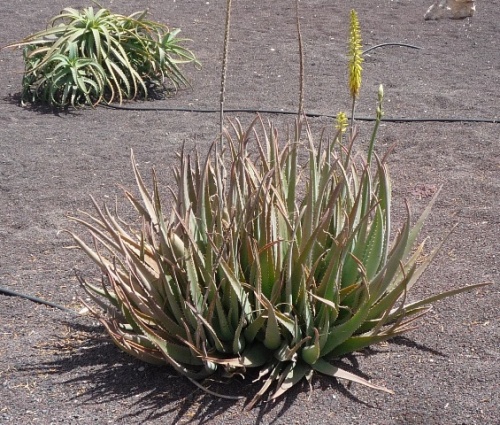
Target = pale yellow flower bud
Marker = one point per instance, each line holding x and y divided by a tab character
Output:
341	122
380	92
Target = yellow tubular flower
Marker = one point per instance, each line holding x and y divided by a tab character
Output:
355	55
341	122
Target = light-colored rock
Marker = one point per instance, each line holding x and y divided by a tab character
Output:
451	9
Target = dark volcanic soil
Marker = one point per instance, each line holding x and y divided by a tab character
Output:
61	369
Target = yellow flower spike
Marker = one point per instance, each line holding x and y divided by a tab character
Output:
355	55
341	122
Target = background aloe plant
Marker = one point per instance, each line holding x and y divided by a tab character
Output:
102	56
276	255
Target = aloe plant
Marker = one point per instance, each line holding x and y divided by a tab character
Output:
265	261
123	56
262	263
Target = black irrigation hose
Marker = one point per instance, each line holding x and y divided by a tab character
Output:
8	292
411	46
308	114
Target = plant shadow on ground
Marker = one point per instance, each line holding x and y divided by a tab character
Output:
109	375
407	342
155	93
39	107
